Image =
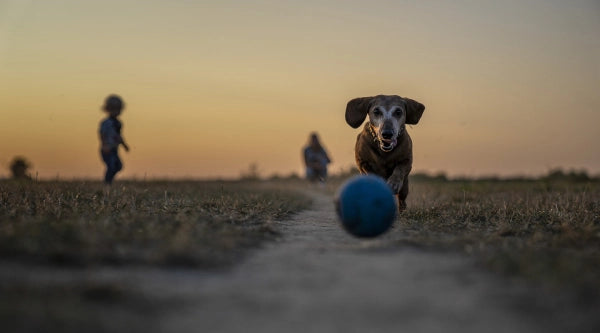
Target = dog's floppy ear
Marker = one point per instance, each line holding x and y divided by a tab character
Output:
356	111
414	111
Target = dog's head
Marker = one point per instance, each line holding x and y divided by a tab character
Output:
387	116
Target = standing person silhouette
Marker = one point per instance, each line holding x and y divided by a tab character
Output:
110	137
315	160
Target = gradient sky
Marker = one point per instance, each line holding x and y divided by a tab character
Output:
511	87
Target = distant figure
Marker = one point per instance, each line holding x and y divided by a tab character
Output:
316	160
110	137
19	167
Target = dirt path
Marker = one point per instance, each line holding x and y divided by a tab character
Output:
316	278
320	279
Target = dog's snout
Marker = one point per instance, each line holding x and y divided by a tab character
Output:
387	134
387	130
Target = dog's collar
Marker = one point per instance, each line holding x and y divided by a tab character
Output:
372	132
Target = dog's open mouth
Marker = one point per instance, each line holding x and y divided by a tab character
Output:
387	144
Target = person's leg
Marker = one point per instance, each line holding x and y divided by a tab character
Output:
113	165
310	174
106	159
118	163
324	174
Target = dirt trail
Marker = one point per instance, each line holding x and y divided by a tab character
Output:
320	279
316	278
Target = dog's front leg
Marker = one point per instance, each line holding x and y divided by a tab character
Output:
398	178
364	167
395	184
399	185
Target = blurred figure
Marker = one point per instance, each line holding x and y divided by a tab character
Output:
316	160
19	167
110	137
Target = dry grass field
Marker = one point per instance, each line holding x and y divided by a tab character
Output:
155	223
543	232
57	233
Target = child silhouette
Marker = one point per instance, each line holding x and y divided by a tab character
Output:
110	137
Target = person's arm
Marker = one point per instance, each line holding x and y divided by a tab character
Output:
327	159
122	141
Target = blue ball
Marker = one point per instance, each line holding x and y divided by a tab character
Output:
366	206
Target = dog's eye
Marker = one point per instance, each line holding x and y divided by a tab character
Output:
377	112
398	113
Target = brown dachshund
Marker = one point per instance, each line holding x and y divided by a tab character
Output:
384	148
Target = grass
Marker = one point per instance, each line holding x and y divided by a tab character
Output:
157	223
541	230
547	232
56	236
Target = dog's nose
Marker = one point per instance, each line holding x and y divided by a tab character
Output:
387	134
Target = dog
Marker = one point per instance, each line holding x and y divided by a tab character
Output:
383	147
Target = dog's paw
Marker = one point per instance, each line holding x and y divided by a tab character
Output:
396	186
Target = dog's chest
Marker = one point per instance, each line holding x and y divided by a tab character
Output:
386	164
371	159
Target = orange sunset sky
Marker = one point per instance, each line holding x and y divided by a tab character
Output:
511	87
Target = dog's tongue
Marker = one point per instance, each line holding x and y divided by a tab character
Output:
389	144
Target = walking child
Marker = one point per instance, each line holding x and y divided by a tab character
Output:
110	137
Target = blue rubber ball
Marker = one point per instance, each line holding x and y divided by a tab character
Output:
366	206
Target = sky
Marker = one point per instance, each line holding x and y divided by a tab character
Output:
211	87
